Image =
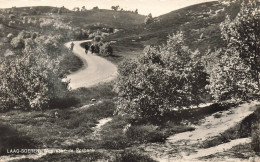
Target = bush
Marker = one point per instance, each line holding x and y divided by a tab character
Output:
30	82
166	77
18	43
54	10
106	49
97	38
256	133
133	156
24	14
145	134
12	16
10	36
12	139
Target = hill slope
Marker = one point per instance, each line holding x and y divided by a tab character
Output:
199	22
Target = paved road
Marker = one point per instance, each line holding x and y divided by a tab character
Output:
95	69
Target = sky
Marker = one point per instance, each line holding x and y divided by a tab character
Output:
156	7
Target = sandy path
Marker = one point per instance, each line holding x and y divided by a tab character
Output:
185	146
95	69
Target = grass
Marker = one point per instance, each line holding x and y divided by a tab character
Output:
51	131
99	92
133	156
71	63
10	138
89	156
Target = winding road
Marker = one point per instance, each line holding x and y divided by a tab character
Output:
95	69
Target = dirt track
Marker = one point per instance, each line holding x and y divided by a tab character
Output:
95	69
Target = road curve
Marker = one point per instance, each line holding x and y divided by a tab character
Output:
95	69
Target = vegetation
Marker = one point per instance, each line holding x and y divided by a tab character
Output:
30	81
154	92
236	75
163	78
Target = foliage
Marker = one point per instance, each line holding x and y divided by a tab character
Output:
95	8
54	10
148	19
115	8
235	73
230	78
256	132
133	156
145	133
163	78
17	43
30	81
11	16
106	49
243	34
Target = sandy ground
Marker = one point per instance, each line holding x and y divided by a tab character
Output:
185	146
95	69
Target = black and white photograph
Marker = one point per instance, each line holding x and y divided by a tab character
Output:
129	80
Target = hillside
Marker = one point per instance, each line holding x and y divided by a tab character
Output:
200	24
116	19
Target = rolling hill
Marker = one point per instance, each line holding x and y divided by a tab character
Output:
200	24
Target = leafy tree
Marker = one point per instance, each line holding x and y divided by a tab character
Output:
95	8
231	79
163	78
136	11
243	34
115	8
31	81
83	9
148	19
235	76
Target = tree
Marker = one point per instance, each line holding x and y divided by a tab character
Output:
136	11
161	79
148	19
31	81
115	8
236	75
231	79
76	9
243	34
83	9
95	8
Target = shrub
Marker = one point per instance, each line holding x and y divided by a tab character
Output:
2	18
106	49
145	134
30	82
10	36
10	138
11	23
24	14
256	133
163	78
235	76
18	43
11	16
133	156
54	10
97	38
